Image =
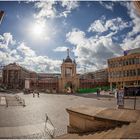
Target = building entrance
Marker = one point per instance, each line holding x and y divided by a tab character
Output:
69	87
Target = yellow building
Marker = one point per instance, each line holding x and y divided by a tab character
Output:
125	70
69	80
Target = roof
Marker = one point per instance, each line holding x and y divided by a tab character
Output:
68	59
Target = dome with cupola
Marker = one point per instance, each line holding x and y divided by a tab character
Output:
68	59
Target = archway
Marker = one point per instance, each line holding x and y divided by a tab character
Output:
69	87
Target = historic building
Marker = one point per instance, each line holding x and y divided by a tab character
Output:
125	70
69	80
14	76
93	79
17	77
44	82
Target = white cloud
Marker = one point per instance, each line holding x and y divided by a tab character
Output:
9	38
132	39
93	52
76	37
37	62
69	5
25	50
25	56
107	5
97	26
47	9
135	19
103	25
60	49
41	64
6	39
131	43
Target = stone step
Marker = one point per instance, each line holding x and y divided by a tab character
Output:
133	131
104	134
109	134
117	132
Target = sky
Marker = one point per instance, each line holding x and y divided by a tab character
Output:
37	34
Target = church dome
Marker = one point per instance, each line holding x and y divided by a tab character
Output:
68	59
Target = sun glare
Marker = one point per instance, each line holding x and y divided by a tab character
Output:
37	30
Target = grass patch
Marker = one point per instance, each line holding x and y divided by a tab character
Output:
93	90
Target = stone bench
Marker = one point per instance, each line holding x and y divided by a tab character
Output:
90	119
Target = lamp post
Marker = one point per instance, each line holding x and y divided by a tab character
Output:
1	15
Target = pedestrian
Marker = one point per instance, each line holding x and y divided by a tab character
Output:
115	92
120	98
33	94
38	93
97	92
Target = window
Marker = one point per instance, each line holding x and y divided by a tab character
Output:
68	72
126	62
123	62
134	72
133	61
127	73
138	71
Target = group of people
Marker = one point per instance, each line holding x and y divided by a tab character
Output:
36	92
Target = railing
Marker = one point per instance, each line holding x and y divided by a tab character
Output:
49	127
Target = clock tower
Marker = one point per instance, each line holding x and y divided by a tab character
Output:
69	81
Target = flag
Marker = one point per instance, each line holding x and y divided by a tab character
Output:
1	15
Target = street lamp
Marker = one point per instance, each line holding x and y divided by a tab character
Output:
1	15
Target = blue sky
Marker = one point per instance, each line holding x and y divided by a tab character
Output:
37	34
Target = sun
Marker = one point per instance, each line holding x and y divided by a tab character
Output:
37	29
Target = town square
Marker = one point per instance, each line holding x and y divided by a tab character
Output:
69	70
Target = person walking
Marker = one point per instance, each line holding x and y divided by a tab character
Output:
38	94
33	94
97	92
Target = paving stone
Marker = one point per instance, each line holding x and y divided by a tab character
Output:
54	105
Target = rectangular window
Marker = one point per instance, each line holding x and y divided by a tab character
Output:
138	71
68	72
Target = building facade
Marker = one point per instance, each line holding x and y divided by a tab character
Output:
125	70
44	82
14	76
94	79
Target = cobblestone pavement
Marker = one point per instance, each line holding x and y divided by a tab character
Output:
55	106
